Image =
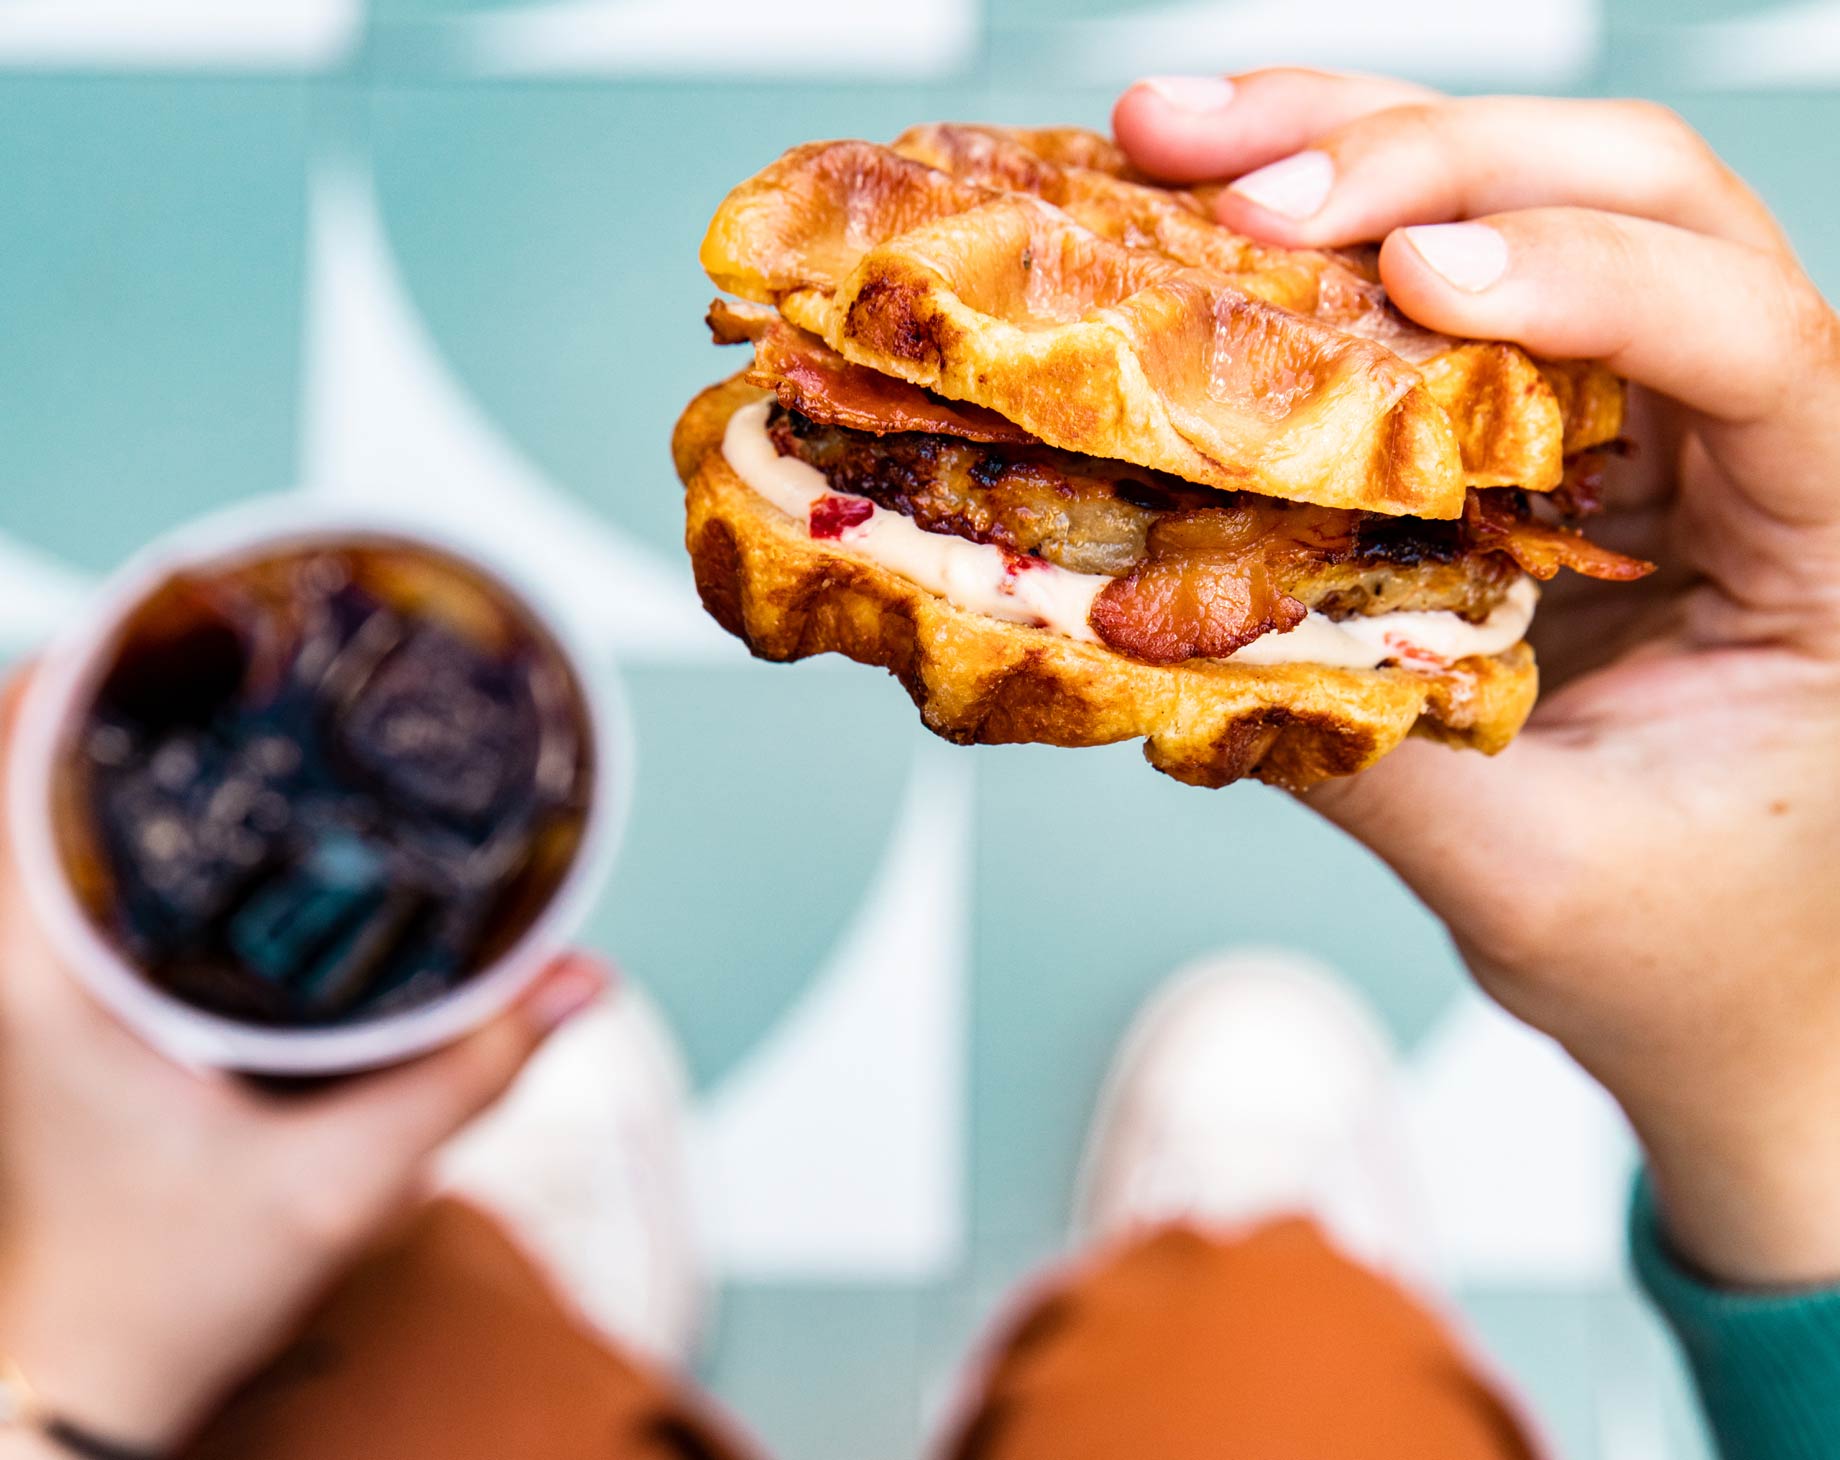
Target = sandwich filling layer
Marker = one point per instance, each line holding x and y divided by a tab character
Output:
1144	567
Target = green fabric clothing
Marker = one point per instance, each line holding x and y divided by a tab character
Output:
1767	1363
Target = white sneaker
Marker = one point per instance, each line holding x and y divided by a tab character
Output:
585	1163
1254	1086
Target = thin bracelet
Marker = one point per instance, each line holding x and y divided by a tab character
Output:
66	1436
22	1408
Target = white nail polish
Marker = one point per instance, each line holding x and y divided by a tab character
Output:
1471	256
1196	94
1295	187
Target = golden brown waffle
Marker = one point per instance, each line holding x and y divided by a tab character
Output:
978	680
1476	383
1029	273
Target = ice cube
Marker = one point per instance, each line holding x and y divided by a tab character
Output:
442	729
325	927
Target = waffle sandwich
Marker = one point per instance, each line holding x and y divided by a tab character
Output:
1077	464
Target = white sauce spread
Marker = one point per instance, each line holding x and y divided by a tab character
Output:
984	579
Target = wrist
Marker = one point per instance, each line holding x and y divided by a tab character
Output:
25	1445
1749	1194
28	1425
91	1374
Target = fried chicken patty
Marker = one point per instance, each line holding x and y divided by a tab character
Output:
1101	517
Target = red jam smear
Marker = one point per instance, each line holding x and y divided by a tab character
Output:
831	517
1412	656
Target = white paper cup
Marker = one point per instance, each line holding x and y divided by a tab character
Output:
61	694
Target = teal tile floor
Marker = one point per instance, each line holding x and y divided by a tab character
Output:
170	340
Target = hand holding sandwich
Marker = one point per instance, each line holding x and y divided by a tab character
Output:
1643	873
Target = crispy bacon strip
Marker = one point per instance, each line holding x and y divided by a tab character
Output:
733	323
1211	580
1215	580
813	379
1581	494
1493	522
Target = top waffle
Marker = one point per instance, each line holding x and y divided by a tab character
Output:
1032	273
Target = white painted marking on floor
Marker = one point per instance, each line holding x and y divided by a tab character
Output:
1527	1161
1547	44
293	35
827	38
387	424
836	1150
1795	45
38	596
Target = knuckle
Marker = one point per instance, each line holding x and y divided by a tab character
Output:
1810	321
1803	342
1432	128
1661	124
1410	123
1619	255
1418	121
1305	75
1687	179
1612	239
1680	159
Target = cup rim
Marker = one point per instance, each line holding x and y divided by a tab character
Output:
67	673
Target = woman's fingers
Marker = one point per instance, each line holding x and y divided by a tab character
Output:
1572	283
1203	128
1440	160
374	1132
1737	334
1324	159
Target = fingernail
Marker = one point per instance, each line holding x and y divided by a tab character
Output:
1294	187
1472	256
1197	94
565	994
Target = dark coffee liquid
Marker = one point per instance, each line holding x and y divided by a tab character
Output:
328	785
